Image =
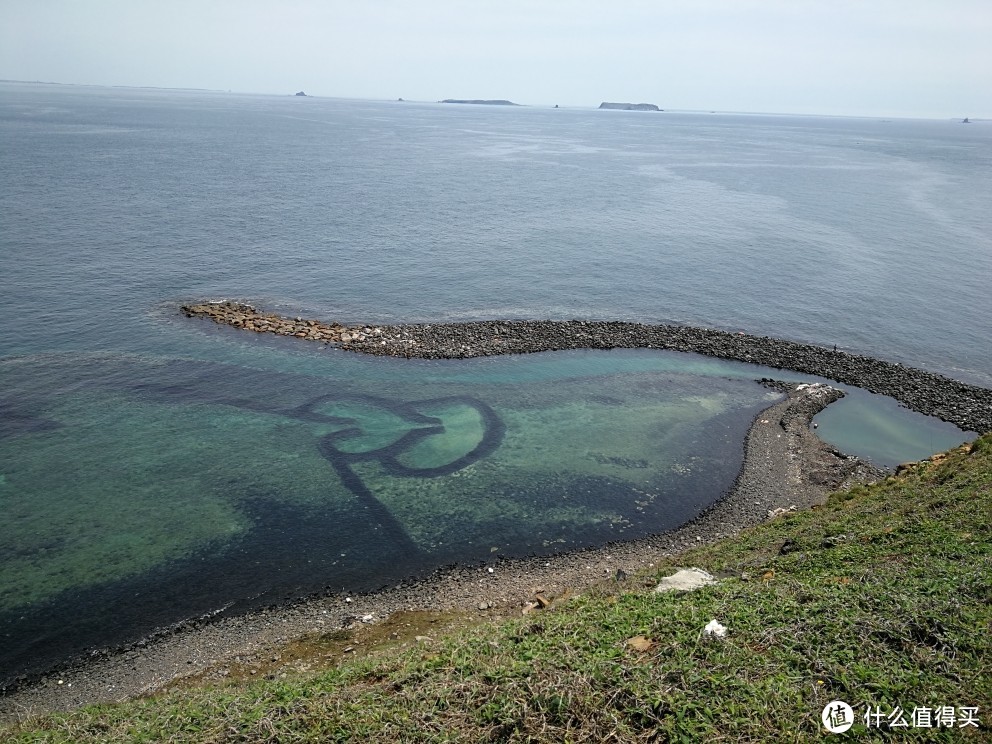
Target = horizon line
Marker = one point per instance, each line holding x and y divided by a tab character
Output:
591	106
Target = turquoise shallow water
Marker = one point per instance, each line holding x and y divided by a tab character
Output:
153	468
116	465
197	485
130	464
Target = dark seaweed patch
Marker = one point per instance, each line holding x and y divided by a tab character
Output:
16	421
288	553
620	462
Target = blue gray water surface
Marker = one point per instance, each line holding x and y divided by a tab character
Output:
145	454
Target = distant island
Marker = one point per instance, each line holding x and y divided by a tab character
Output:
629	106
301	93
483	102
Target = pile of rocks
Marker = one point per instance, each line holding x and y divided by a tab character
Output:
244	316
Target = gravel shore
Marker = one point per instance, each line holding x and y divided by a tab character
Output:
785	467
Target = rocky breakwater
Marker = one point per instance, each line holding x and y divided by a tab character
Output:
247	317
964	405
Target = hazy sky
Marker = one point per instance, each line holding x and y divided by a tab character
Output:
928	58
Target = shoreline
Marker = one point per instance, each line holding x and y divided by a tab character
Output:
785	467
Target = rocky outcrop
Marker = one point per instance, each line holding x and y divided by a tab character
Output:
966	406
629	106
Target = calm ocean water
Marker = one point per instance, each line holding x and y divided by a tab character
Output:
874	235
143	454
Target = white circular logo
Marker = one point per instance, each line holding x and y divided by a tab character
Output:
837	716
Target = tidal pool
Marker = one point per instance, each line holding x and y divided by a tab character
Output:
878	428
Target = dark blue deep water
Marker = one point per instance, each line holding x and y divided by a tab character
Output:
144	455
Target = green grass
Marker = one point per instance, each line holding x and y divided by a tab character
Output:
880	598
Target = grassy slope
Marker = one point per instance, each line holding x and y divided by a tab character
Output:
881	597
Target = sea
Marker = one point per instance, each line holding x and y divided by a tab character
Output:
155	468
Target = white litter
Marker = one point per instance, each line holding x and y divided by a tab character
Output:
714	629
685	580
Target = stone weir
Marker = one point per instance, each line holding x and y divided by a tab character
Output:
964	405
247	317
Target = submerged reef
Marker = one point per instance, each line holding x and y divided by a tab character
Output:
966	406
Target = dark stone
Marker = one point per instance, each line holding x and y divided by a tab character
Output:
789	546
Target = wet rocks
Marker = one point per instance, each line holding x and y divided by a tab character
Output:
239	315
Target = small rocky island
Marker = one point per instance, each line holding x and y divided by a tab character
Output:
481	101
629	106
300	93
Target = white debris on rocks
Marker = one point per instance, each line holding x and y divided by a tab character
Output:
685	580
814	389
